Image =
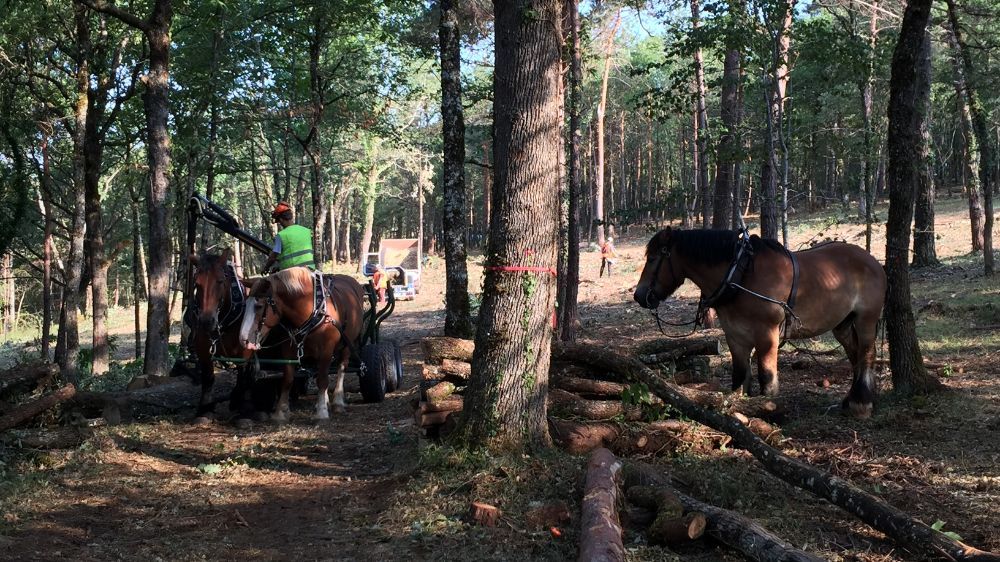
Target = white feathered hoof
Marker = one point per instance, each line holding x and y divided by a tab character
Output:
339	409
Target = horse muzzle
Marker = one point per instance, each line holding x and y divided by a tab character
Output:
208	322
646	297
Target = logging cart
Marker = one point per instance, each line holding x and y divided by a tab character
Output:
376	361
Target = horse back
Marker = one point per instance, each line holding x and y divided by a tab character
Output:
348	297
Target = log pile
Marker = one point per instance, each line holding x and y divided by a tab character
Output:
446	372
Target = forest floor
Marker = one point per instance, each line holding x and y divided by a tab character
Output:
366	486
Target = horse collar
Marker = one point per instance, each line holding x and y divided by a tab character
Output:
237	299
742	261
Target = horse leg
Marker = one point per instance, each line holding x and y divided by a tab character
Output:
767	362
339	404
282	410
322	388
205	405
740	353
861	397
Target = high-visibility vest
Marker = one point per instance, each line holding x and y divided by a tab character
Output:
296	247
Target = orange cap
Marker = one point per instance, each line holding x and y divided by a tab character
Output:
280	209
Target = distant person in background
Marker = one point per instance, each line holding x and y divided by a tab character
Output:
608	256
293	244
383	280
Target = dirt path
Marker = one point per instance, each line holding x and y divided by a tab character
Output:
173	491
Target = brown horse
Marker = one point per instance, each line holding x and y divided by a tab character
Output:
324	323
216	318
834	287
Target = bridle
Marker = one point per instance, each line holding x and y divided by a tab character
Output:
665	255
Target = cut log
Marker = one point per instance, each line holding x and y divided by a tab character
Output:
439	392
701	368
588	388
669	349
732	529
430	373
568	405
677	530
32	408
600	528
578	438
432	414
67	437
25	378
762	407
457	372
874	511
438	349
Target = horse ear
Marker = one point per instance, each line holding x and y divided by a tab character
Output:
227	254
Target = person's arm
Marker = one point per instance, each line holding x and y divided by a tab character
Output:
273	256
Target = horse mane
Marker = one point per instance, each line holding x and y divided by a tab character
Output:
294	281
706	247
208	261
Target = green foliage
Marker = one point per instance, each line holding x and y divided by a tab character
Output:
638	394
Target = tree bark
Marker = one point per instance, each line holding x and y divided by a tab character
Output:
457	320
867	87
981	132
601	532
570	311
907	162
924	253
45	186
506	394
28	410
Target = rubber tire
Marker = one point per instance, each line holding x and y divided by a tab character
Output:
376	360
395	380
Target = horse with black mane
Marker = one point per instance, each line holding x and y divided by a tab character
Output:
323	316
216	312
763	292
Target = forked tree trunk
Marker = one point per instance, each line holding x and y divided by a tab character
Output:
45	187
505	400
973	189
570	310
457	320
907	161
724	176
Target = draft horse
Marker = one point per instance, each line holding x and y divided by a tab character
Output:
323	316
215	313
760	290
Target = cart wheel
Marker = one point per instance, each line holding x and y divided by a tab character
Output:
377	366
395	380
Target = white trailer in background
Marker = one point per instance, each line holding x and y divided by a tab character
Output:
402	255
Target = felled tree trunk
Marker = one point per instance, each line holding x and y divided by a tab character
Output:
567	404
28	410
47	438
588	388
666	349
665	437
25	378
436	350
173	397
874	511
732	529
600	530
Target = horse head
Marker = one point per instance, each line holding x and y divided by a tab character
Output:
211	289
286	294
659	278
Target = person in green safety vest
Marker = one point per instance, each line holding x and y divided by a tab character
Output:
293	244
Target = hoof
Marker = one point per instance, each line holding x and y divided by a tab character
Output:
280	416
322	415
770	390
202	420
339	409
858	410
244	423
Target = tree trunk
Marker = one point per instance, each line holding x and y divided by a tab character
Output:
46	188
74	267
924	253
601	110
971	161
724	176
774	92
506	394
867	98
701	125
93	151
981	132
457	320
570	310
907	162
